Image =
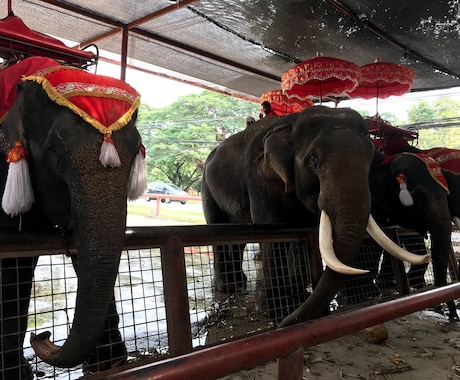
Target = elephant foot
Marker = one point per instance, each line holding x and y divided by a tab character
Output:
230	283
385	285
453	316
107	356
416	279
22	372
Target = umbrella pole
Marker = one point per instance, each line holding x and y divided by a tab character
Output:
320	95
377	100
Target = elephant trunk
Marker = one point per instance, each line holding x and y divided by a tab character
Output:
100	230
345	198
347	239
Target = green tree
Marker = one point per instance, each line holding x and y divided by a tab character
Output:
421	111
446	108
437	136
390	117
179	137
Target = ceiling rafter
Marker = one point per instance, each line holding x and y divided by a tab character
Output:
244	47
132	27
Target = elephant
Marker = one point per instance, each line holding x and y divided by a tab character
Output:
309	168
79	186
427	211
448	160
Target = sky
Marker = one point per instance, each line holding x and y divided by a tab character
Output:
155	91
399	105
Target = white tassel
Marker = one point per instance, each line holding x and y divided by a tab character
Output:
109	155
404	194
18	196
138	177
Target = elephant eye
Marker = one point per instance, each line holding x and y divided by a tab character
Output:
313	161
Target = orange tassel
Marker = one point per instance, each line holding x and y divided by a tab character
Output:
18	196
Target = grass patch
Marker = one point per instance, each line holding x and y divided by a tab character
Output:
186	216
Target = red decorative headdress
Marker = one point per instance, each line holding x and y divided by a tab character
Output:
106	103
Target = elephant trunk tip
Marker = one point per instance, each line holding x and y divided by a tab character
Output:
44	348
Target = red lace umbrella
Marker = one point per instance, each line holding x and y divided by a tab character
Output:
383	79
282	105
320	78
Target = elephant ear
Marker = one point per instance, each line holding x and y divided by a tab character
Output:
277	159
4	143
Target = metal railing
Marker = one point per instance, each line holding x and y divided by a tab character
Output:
183	362
159	197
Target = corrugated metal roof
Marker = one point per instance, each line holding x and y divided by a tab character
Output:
244	46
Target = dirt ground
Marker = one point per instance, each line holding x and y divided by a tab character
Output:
421	346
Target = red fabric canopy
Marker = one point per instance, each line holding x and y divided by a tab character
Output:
16	36
282	105
383	79
320	77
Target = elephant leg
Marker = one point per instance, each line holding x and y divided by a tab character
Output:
385	279
360	288
228	268
285	278
416	273
16	283
416	276
111	350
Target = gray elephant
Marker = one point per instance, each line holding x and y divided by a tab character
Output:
80	186
306	168
425	211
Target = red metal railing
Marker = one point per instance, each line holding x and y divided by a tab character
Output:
159	197
227	358
211	363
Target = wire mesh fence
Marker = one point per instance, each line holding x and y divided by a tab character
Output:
279	276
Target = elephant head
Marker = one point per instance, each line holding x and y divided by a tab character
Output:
295	169
79	183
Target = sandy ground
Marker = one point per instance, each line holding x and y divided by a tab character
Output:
420	346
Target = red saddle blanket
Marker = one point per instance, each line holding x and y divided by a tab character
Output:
10	76
448	159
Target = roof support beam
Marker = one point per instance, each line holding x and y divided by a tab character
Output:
132	27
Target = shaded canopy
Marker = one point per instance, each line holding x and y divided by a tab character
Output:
242	48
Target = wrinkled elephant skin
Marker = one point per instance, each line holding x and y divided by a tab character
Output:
288	170
74	191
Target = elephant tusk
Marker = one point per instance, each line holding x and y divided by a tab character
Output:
327	250
391	247
456	220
